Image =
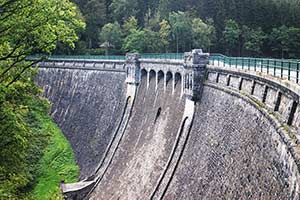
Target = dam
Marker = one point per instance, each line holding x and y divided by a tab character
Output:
175	129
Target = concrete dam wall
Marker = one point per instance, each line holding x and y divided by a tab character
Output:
153	141
87	106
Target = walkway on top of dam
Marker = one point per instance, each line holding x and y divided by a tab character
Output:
286	69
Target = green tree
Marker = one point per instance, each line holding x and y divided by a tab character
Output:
294	42
279	40
27	27
95	13
142	41
122	10
130	25
253	40
181	30
111	34
231	36
203	34
164	34
135	42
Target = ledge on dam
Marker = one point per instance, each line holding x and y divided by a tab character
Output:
152	139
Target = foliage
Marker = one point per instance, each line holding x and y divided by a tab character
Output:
181	30
279	39
123	10
253	14
57	163
165	33
130	25
203	34
253	40
231	35
27	27
96	14
111	35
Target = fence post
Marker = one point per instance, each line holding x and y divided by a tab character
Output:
236	62
249	63
297	73
254	64
224	62
242	63
281	69
275	66
289	72
261	65
268	63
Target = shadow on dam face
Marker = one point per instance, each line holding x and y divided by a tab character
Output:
230	152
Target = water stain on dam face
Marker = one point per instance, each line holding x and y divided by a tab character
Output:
147	144
230	154
231	150
87	106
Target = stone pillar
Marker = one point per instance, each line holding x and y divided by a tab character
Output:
156	80
133	70
182	84
133	76
195	63
173	83
165	82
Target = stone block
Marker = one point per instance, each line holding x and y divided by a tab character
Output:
234	82
259	90
271	98
247	86
223	79
285	107
212	77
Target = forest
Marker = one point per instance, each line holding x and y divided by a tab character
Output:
260	28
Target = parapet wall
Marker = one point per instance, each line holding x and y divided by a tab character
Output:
278	101
102	65
281	100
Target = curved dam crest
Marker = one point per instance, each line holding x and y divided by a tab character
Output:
172	132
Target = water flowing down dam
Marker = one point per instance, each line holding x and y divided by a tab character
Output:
162	129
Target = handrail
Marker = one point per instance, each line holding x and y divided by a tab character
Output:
283	68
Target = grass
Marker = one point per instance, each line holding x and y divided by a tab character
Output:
56	164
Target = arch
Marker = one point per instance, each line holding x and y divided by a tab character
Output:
177	78
160	75
152	75
144	73
169	76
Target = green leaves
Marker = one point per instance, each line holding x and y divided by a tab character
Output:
231	35
27	27
203	34
253	40
165	33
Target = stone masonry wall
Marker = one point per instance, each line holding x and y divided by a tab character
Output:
87	106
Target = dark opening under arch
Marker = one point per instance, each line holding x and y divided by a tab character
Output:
177	78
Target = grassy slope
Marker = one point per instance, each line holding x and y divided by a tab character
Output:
56	164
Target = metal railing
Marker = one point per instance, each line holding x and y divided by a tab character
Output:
160	56
163	56
285	69
81	57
